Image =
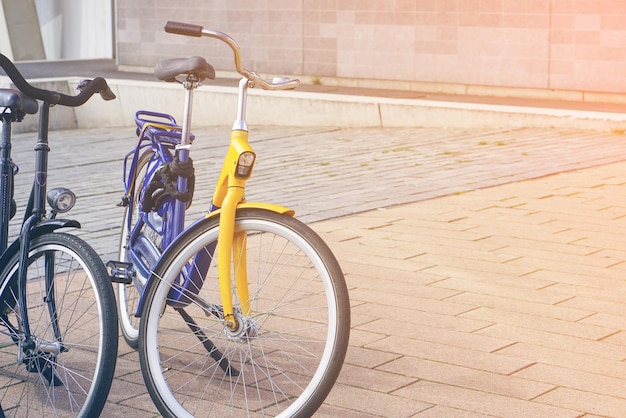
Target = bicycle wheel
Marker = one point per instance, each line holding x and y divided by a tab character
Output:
287	354
128	294
71	314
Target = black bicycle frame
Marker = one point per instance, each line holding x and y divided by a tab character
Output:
38	202
34	214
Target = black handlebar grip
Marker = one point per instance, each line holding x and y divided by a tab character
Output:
97	85
107	94
186	29
101	87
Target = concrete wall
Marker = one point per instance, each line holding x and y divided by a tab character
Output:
34	30
76	29
19	29
534	44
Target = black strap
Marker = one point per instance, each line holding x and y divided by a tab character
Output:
164	184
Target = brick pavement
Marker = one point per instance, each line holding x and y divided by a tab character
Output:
329	172
506	301
475	292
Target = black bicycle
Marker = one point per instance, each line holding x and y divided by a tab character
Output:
58	321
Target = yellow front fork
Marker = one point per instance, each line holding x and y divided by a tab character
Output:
241	271
230	245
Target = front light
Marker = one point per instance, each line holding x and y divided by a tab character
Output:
244	165
61	199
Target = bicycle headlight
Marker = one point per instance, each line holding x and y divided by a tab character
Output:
61	199
244	164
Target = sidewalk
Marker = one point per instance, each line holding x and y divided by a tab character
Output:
485	265
475	291
507	301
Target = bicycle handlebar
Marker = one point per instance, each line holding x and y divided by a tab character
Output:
87	89
188	29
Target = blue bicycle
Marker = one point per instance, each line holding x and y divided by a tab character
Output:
246	310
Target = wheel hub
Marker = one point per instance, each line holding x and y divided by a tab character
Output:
246	328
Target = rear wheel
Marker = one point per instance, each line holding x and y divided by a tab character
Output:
67	367
128	294
287	352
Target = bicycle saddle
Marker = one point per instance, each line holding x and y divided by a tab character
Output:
169	69
14	99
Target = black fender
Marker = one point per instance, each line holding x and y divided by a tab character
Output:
44	227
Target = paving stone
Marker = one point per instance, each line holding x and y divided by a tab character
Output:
420	332
595	305
372	379
564	357
439	411
496	363
617	338
364	357
527	289
375	403
400	300
463	377
575	379
373	311
541	323
514	305
607	348
482	402
593	403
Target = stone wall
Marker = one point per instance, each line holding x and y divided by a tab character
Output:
531	44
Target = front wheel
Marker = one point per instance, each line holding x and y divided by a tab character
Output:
66	367
290	346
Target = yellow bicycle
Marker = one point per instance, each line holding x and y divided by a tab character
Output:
245	311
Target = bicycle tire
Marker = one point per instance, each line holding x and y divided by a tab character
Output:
294	342
128	295
74	380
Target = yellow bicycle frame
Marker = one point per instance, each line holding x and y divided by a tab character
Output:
229	195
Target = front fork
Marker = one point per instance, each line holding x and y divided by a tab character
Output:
231	245
28	342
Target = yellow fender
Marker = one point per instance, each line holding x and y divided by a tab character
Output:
258	205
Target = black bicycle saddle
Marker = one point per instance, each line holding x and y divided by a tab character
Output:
14	99
169	69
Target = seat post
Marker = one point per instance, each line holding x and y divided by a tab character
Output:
190	85
182	151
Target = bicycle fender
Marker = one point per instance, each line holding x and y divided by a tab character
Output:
258	205
52	225
40	229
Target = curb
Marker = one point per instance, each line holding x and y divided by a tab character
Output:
215	106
